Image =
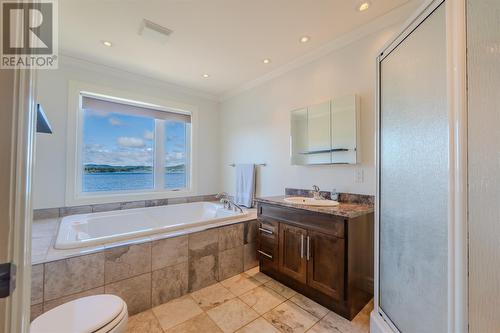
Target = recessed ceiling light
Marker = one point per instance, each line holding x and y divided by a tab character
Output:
206	75
363	5
266	61
304	39
107	43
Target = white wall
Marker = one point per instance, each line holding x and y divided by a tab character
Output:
50	168
255	125
483	61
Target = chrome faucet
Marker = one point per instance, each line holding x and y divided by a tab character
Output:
317	193
228	203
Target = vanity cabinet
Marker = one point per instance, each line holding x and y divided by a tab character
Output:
325	257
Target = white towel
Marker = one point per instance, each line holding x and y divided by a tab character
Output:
245	184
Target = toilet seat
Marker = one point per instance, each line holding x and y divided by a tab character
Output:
121	319
92	314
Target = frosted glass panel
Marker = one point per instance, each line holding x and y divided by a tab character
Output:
483	61
414	180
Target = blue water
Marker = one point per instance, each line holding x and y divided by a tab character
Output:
123	181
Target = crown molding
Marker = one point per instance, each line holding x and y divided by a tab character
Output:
396	16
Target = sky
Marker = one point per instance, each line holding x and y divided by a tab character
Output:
126	140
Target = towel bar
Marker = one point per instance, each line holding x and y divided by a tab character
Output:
261	164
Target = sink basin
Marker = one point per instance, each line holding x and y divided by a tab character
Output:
311	201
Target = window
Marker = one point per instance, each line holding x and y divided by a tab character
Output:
132	147
175	154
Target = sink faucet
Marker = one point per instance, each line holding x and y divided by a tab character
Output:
227	202
317	193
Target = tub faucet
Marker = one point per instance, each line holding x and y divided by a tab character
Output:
227	202
317	193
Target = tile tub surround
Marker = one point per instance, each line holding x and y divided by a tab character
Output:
50	213
44	233
147	274
216	309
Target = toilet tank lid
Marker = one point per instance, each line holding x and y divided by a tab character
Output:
83	315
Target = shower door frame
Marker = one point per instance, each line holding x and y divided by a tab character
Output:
457	189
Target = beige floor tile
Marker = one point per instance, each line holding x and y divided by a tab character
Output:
332	322
143	322
177	311
259	325
258	275
280	288
232	315
262	299
240	284
212	296
309	305
200	323
289	317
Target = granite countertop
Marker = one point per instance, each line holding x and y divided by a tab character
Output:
347	210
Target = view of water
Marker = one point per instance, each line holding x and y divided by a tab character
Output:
120	181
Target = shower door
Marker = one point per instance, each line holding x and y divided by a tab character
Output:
413	177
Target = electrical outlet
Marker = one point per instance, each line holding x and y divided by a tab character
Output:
359	176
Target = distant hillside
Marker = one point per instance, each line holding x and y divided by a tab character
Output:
103	168
181	168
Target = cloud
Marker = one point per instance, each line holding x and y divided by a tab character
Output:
96	113
131	142
175	158
115	121
123	156
95	148
149	135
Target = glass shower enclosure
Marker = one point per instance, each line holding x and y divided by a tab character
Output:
413	174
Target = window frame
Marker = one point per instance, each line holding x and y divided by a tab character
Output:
74	163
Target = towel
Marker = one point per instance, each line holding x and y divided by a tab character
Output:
245	184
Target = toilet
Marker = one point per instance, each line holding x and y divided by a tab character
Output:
92	314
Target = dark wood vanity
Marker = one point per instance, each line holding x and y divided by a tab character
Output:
323	253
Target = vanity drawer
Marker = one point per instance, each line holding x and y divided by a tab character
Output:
267	252
267	244
326	223
268	229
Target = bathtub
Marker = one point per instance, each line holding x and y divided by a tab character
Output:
84	230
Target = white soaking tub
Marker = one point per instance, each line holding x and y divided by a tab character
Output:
99	228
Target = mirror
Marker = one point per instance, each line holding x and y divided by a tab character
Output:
325	133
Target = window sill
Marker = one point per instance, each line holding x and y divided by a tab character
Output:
102	198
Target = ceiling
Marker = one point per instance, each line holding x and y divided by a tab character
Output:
227	39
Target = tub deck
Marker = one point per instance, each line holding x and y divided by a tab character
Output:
45	232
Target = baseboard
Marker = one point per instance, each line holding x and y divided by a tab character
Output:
378	324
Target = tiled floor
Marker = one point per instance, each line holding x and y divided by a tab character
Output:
246	303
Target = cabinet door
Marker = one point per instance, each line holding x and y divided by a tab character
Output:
325	265
292	257
344	129
318	134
